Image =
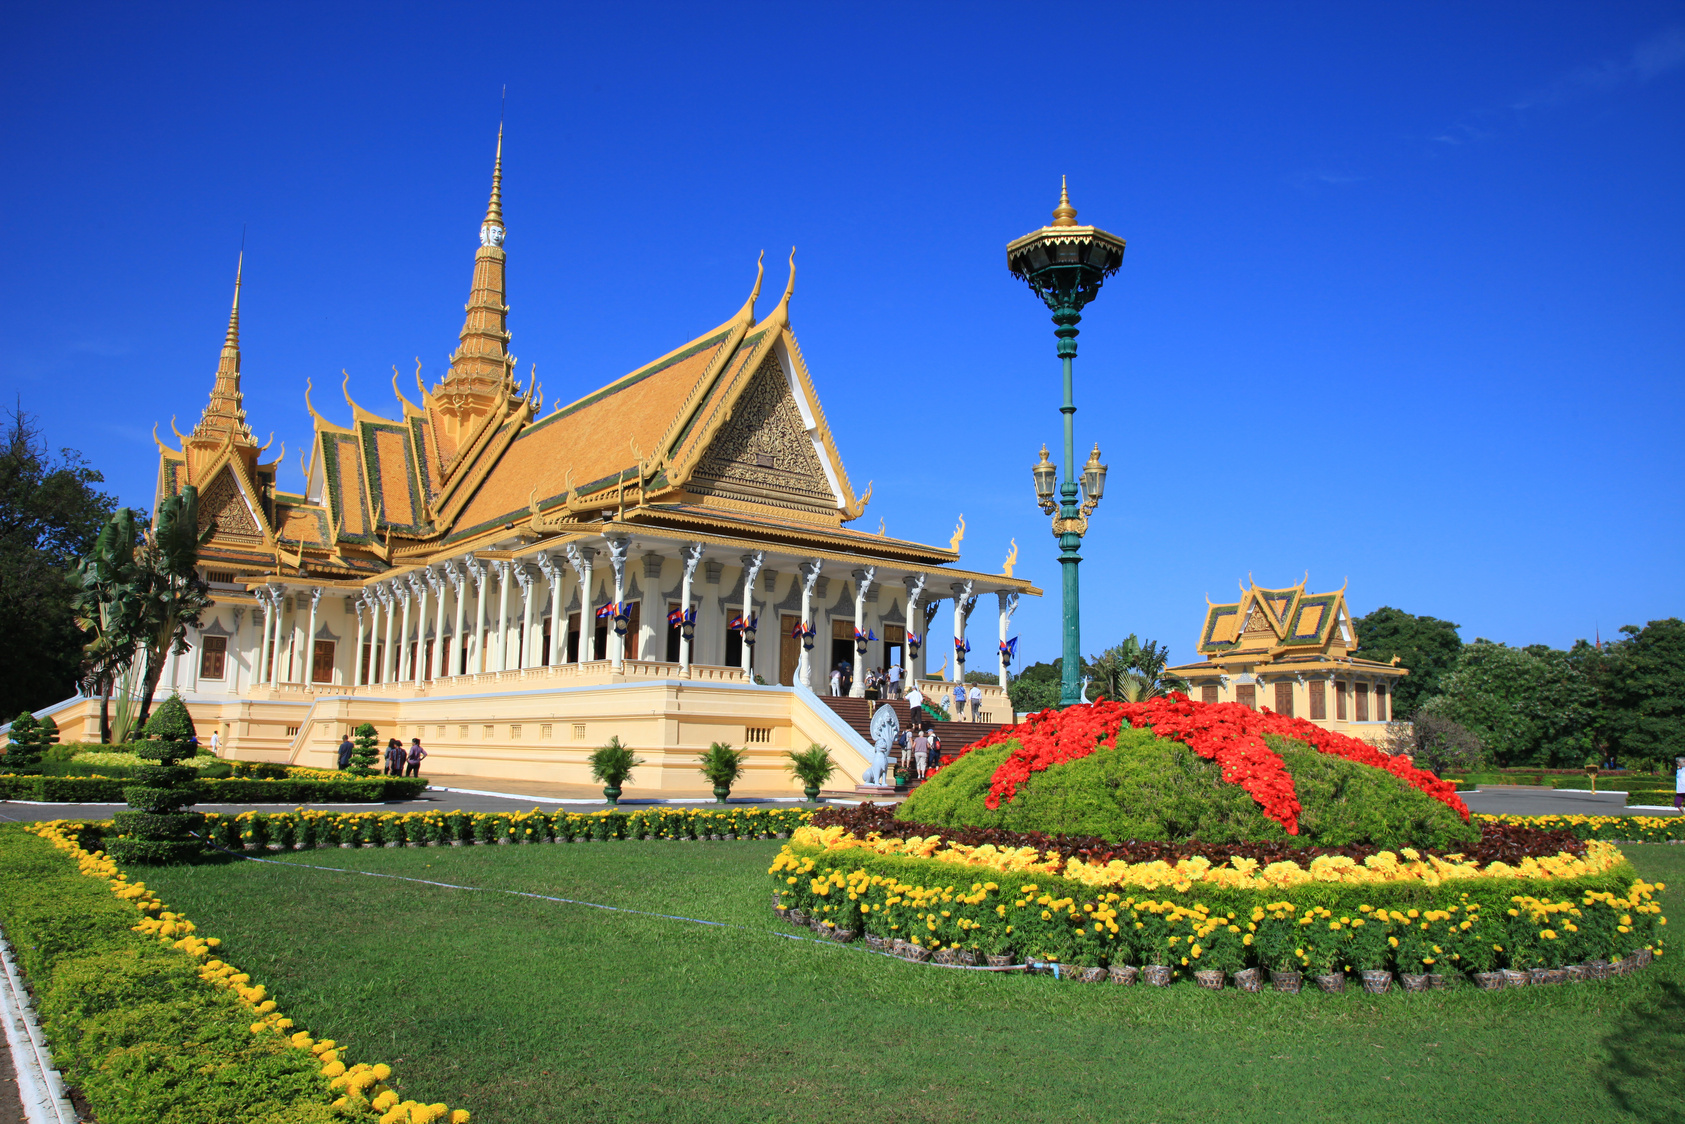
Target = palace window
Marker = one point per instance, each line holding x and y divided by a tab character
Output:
462	733
441	731
225	577
515	733
1339	701
1380	702
1246	695
1319	698
1361	702
323	671
213	657
544	730
757	735
579	731
292	731
674	635
1284	698
1209	693
487	732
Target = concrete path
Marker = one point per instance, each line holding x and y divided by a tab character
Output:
1532	800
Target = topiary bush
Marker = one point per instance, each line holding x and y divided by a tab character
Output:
1151	788
156	829
363	754
28	741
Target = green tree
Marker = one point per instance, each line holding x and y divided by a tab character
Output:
363	755
1132	672
50	513
156	829
107	602
23	755
1035	688
1528	706
1427	646
172	592
1643	688
723	766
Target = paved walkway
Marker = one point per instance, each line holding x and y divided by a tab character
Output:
1532	800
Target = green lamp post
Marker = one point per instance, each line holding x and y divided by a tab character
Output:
1064	264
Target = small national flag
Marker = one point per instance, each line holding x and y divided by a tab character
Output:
606	611
962	645
677	616
735	624
1009	649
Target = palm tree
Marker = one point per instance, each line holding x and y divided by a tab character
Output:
1134	672
173	593
107	604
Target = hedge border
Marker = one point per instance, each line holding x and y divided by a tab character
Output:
226	790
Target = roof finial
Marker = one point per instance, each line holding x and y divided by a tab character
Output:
232	339
1064	214
494	209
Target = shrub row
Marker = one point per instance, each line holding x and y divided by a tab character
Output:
129	1021
231	790
312	828
1612	829
1467	926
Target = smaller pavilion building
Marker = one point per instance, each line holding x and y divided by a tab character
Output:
1289	650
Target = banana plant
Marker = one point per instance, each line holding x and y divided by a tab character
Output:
107	603
173	595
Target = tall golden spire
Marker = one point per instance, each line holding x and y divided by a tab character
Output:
1064	214
482	367
225	415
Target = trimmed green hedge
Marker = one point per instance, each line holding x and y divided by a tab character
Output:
1147	787
128	1018
231	790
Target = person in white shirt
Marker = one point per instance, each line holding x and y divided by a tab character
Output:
216	744
976	703
1679	784
836	682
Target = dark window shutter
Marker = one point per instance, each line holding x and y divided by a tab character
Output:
1246	695
1319	699
1284	698
1208	693
1362	707
1340	701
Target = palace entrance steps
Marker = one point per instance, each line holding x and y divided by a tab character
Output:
955	735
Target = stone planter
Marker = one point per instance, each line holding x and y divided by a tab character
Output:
415	843
877	943
942	956
843	936
1642	958
1625	966
965	957
348	845
777	899
1514	977
916	953
275	846
1333	982
1489	981
1249	979
1598	969
1413	981
998	960
1124	974
1289	982
1575	973
1549	976
1211	979
1377	982
394	844
1441	981
456	842
781	913
1095	975
798	918
1157	975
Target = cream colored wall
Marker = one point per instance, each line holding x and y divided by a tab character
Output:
1372	732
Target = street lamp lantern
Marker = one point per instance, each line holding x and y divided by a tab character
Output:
1065	264
1093	480
1047	479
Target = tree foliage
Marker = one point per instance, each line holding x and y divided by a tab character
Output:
1434	743
1427	646
1643	682
50	513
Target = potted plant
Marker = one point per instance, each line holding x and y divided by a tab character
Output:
1280	945
813	766
1372	945
612	764
722	765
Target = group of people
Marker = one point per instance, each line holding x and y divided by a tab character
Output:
399	762
919	748
880	683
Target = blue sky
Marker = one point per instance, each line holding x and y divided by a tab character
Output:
1402	301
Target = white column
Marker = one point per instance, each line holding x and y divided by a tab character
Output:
357	674
437	584
267	600
809	576
911	667
862	583
1008	606
503	570
388	662
553	583
373	595
751	574
692	555
310	639
418	588
298	626
401	590
524	577
477	570
616	642
579	557
458	647
963	601
280	595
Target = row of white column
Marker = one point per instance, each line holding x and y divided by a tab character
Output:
390	629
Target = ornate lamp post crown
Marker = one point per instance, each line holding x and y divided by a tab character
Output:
1065	264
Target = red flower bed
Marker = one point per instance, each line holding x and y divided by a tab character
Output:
1227	733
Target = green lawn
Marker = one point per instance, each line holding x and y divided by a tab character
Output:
527	1011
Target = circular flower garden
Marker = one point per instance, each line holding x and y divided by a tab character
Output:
1167	839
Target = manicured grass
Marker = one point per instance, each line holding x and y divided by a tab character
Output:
536	1011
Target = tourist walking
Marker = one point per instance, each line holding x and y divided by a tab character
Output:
915	699
894	680
921	754
345	751
836	682
959	701
976	694
415	756
394	757
1679	784
904	749
934	744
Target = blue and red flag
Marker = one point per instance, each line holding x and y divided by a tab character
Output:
962	645
606	611
1009	649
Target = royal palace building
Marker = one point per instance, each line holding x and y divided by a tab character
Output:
670	558
1291	651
